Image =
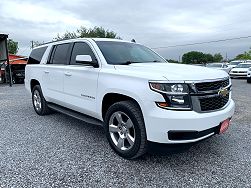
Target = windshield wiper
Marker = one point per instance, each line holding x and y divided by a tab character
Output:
154	61
128	62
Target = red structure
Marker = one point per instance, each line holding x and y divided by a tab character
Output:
17	64
17	60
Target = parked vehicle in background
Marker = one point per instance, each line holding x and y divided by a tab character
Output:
129	89
240	71
249	75
18	74
219	66
233	64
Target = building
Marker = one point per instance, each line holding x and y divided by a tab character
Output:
17	64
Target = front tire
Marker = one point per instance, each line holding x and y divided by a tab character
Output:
249	80
39	102
125	129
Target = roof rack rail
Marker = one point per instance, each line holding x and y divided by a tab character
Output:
55	41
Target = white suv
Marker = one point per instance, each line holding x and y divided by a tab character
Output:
129	89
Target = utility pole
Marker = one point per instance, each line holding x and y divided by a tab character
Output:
32	44
226	56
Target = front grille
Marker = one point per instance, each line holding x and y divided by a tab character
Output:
239	71
209	86
213	103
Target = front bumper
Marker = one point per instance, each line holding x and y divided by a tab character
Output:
159	122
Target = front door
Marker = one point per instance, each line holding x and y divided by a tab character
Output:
80	81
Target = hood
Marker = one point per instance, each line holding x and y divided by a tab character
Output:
170	71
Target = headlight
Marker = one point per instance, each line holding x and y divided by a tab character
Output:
176	95
249	69
169	88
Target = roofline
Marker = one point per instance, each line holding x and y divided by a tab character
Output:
88	38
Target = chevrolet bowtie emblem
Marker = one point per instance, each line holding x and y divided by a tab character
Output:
223	92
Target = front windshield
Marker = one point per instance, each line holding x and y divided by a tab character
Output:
243	65
217	65
118	53
235	63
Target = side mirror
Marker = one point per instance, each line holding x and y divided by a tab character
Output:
83	59
86	59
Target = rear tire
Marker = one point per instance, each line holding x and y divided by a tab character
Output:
125	129
39	102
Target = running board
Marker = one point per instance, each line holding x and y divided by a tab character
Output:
77	115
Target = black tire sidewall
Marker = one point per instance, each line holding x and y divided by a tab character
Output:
248	80
128	154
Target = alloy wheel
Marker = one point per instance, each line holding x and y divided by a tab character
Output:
122	131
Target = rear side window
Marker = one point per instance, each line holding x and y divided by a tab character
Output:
36	55
60	54
81	48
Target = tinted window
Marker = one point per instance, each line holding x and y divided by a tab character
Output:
60	54
36	55
81	48
214	65
243	65
123	52
235	63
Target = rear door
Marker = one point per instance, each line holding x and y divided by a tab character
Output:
54	73
80	80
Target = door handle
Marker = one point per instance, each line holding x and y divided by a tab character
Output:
46	72
67	74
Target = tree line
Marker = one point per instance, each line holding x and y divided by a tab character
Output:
195	57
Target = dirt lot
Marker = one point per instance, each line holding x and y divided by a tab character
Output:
59	151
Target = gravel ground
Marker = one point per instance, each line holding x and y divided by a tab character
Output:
59	151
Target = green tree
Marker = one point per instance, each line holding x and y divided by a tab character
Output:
208	58
12	46
218	57
193	57
244	56
83	32
66	35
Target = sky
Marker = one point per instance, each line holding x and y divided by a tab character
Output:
154	23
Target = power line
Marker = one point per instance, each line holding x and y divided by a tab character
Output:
206	42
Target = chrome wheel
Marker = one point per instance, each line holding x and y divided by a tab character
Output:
122	130
37	100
